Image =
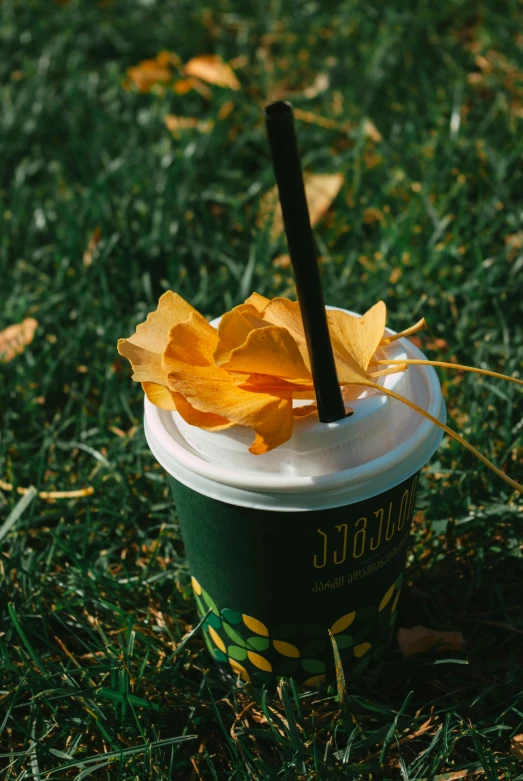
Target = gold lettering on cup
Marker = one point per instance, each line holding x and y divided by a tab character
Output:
389	531
381	513
404	506
344	553
359	538
319	566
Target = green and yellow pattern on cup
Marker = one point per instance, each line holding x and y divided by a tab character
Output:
252	650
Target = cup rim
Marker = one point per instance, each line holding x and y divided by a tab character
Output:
179	461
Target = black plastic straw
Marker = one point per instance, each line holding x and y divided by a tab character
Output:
279	119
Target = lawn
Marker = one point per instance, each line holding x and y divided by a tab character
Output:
419	106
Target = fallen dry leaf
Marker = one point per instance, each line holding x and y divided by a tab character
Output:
282	261
15	338
371	131
212	69
516	746
94	238
320	189
50	496
150	73
320	84
175	124
371	215
318	119
183	86
420	640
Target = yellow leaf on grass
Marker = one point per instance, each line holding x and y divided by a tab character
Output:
176	123
516	746
15	338
420	640
317	119
183	86
371	215
94	238
212	69
320	189
371	131
155	71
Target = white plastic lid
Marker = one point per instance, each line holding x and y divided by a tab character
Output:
323	464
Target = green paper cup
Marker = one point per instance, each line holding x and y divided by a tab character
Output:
308	539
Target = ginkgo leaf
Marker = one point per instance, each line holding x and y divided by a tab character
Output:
212	69
183	86
257	301
94	239
159	395
151	72
234	328
15	338
145	348
420	640
516	746
193	342
358	337
176	124
270	350
210	389
320	190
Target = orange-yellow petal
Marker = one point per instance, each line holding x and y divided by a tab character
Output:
270	350
211	389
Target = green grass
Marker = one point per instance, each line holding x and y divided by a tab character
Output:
95	678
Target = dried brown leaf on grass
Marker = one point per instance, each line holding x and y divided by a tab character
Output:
183	86
212	69
162	70
176	124
152	72
50	496
320	189
94	239
420	640
516	746
15	338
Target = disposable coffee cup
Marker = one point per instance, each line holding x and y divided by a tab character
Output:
308	539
